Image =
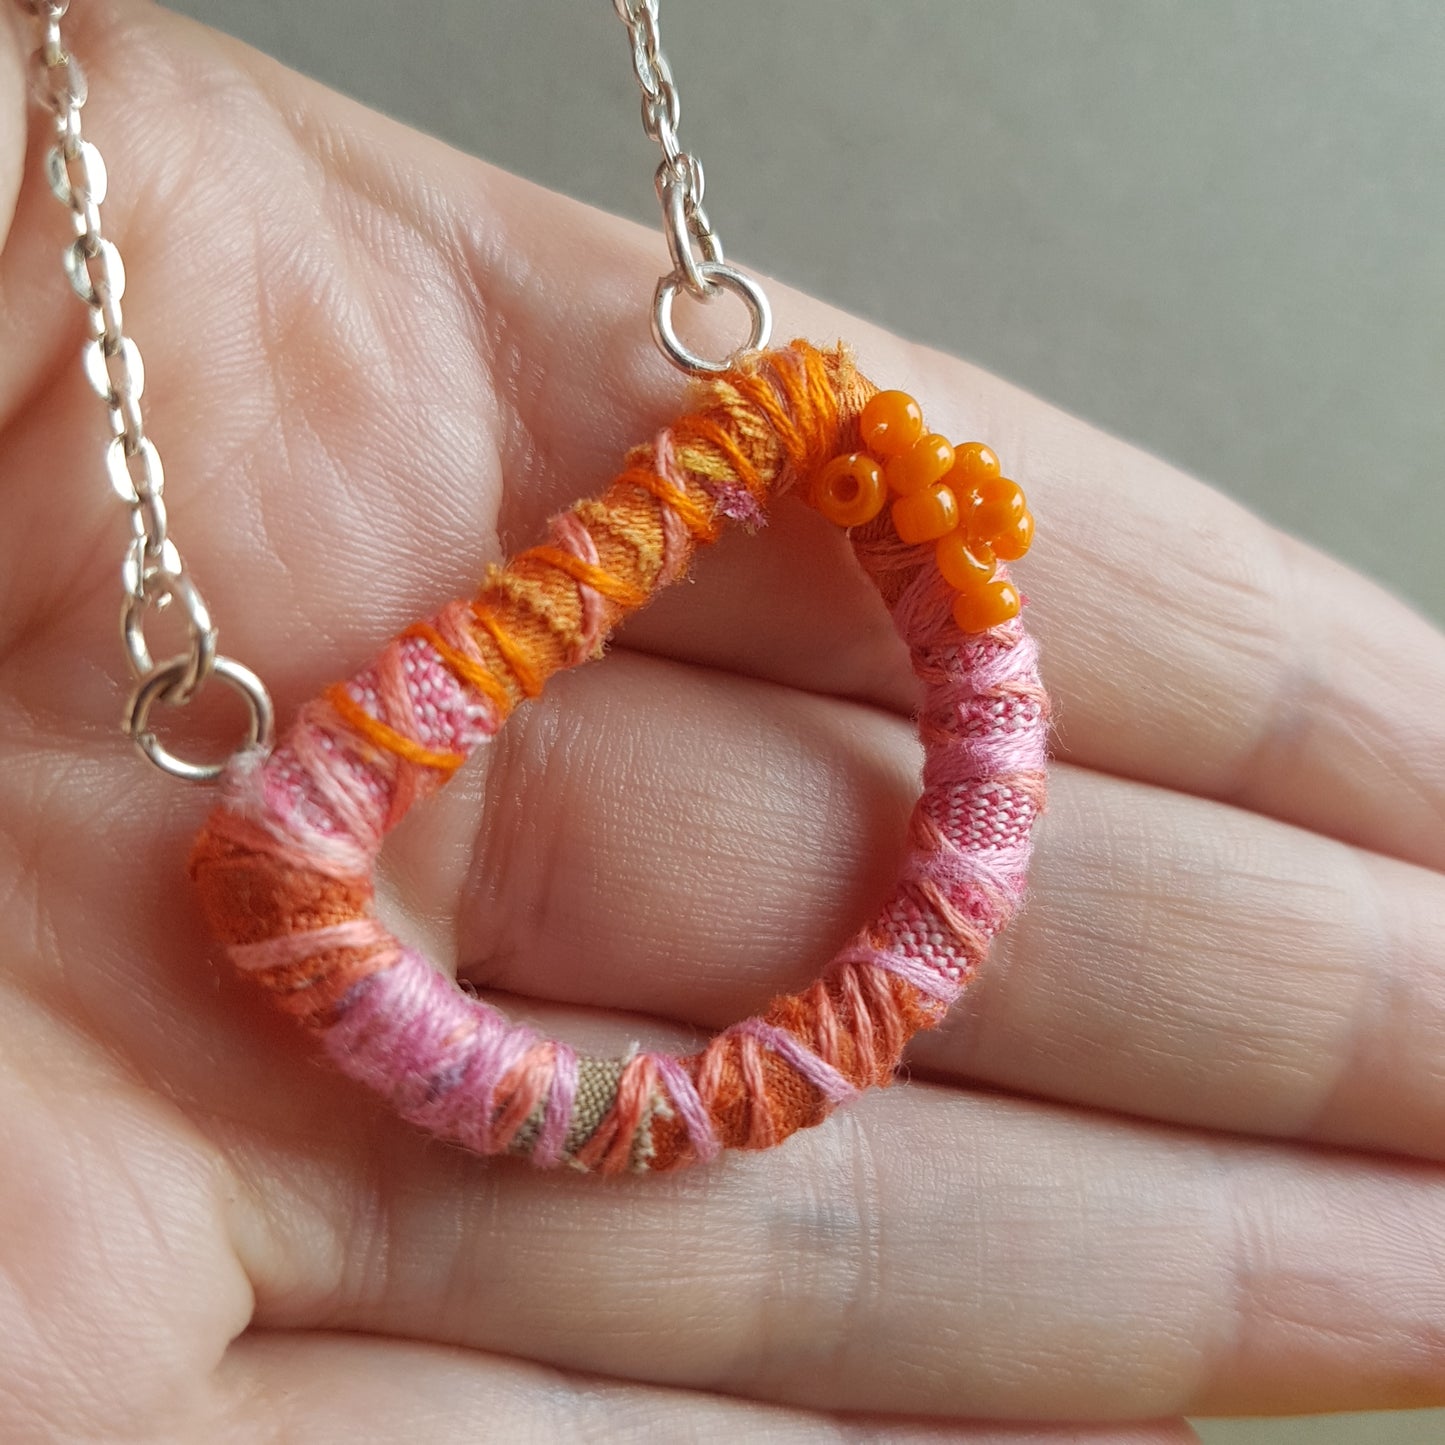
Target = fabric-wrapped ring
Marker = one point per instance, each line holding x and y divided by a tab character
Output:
284	864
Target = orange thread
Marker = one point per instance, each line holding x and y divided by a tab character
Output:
465	668
525	587
522	1089
861	1028
700	523
762	1127
597	578
817	399
755	390
610	1148
387	738
721	443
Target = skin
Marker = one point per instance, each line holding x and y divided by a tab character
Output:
1178	1151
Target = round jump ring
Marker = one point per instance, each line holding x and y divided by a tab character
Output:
728	278
175	587
285	865
674	190
163	680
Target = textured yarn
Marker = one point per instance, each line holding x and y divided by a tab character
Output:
284	864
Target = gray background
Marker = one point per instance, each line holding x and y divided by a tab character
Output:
1214	228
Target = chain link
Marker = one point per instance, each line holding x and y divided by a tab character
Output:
680	181
698	262
154	575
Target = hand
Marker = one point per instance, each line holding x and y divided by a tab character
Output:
1178	1149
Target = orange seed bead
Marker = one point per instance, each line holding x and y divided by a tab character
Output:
1012	544
890	422
987	606
964	565
999	506
928	460
924	516
974	463
850	490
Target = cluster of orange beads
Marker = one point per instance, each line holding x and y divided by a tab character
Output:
951	496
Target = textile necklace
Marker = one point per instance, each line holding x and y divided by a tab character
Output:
284	864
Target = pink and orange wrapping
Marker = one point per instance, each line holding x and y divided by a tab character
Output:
284	864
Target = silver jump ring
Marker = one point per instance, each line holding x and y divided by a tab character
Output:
260	730
673	192
200	657
729	278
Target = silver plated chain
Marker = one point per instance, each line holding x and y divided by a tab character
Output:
154	575
698	263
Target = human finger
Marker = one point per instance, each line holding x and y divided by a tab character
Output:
658	839
1207	966
350	1389
931	1253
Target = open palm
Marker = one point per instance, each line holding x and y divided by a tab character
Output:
1175	1152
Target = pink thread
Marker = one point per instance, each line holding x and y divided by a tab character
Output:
683	1096
366	933
819	1073
570	535
553	1134
676	541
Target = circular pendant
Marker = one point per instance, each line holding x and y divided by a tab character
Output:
284	864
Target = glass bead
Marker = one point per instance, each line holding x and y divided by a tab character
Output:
974	463
999	505
1013	543
850	490
890	423
964	565
927	515
928	460
987	606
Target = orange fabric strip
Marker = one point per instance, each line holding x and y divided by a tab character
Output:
513	653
